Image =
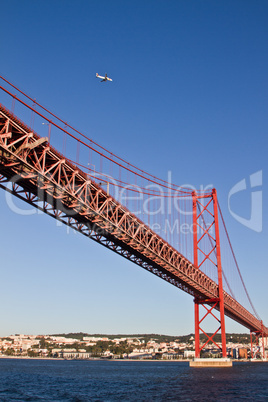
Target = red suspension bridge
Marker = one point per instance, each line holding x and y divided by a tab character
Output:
174	232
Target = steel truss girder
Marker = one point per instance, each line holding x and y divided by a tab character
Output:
93	232
43	178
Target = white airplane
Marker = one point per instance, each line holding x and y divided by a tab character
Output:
103	78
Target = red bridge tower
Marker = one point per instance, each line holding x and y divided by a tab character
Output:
205	208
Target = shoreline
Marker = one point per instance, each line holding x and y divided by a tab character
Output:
93	359
121	360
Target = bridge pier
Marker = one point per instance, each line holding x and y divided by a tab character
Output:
222	362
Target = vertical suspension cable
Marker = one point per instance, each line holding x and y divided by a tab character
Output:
32	116
13	105
64	141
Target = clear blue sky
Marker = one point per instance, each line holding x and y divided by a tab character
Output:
189	95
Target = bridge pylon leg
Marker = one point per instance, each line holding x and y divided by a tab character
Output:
208	233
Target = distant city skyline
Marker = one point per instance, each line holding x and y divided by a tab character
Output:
125	347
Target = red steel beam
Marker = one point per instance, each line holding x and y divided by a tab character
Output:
218	250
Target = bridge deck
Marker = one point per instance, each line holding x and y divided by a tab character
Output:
42	177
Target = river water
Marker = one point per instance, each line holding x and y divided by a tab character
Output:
61	380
